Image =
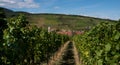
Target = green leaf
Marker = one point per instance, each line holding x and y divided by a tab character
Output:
99	52
99	62
117	46
113	64
117	36
116	56
107	47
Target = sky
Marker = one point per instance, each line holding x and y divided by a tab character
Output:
107	9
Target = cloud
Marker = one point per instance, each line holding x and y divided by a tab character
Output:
19	4
56	7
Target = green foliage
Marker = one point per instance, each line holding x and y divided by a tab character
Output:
101	45
27	45
3	23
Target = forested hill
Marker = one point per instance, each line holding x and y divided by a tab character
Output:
59	21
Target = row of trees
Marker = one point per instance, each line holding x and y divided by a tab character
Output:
22	44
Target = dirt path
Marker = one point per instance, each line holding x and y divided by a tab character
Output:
57	55
67	55
77	60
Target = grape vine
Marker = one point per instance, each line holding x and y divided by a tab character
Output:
23	44
101	45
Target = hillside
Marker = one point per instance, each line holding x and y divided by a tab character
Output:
59	21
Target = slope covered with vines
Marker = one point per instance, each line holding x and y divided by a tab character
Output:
22	44
101	45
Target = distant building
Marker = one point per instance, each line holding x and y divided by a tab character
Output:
49	29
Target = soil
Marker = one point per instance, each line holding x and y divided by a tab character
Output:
66	55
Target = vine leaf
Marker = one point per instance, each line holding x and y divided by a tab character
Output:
99	62
117	36
107	47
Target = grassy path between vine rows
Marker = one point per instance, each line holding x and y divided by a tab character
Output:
66	55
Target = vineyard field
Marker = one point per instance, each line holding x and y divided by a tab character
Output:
24	44
100	46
